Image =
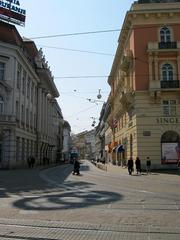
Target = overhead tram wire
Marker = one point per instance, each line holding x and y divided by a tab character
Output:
82	111
77	50
70	77
98	32
76	34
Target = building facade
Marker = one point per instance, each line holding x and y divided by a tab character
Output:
30	117
90	144
145	85
67	142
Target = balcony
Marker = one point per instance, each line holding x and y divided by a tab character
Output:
9	119
167	45
170	84
163	46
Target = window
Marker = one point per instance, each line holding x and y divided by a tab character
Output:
28	88
32	92
19	69
2	70
1	105
165	34
17	110
24	83
31	119
167	72
1	148
23	149
27	116
35	121
169	107
17	148
22	114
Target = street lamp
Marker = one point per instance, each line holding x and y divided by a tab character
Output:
99	96
94	122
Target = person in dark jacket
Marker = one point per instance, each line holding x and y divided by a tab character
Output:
76	167
148	165
32	161
138	165
130	165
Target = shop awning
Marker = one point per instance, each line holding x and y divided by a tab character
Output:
120	148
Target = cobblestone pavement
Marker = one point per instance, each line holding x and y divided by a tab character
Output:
53	204
35	229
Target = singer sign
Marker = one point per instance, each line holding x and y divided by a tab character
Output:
11	11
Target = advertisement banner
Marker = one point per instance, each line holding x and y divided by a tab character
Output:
170	152
11	11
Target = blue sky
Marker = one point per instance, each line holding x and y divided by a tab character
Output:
45	18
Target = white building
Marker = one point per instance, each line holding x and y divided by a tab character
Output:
30	117
67	142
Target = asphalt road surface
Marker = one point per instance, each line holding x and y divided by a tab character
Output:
53	204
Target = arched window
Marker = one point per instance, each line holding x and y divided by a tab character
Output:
1	105
165	34
167	72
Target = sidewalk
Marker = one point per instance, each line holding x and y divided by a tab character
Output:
116	169
109	167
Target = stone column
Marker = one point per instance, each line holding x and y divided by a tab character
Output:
156	68
150	68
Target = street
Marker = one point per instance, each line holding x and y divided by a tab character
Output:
51	203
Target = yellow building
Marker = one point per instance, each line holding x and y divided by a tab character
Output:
145	89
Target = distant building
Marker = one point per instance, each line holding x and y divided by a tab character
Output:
90	144
79	143
67	142
84	143
30	117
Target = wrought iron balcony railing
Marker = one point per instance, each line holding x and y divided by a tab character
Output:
170	84
167	45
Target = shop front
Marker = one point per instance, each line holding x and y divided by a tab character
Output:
170	147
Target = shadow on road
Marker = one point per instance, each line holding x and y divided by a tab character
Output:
69	199
36	194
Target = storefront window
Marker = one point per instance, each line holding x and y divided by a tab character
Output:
170	145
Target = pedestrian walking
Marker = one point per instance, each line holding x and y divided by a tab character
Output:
138	165
148	165
32	161
76	167
29	161
130	165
